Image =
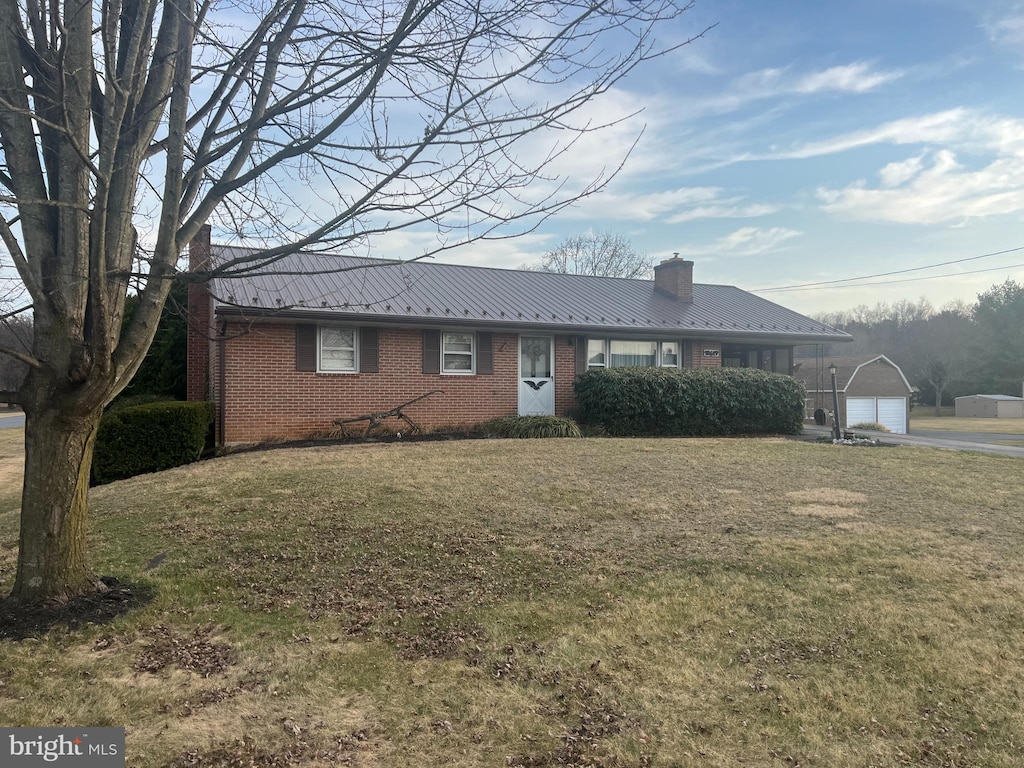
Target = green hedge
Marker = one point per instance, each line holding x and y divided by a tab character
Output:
148	438
698	401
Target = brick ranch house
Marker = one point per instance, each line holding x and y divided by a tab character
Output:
286	352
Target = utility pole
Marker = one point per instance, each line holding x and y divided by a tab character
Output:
836	432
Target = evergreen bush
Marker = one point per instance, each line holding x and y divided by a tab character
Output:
690	401
149	438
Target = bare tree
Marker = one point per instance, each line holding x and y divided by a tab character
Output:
130	123
596	253
15	333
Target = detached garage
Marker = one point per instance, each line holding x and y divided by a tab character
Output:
872	389
990	407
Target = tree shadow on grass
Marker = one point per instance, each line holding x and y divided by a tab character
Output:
18	621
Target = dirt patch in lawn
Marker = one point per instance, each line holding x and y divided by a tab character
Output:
18	622
826	503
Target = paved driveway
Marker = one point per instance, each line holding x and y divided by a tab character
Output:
9	421
950	441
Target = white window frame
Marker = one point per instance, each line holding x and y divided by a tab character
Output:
604	353
472	354
661	354
320	347
606	345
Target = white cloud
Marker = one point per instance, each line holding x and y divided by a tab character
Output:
508	254
973	167
689	59
851	78
673	206
944	192
935	128
730	208
1008	30
746	241
775	82
895	174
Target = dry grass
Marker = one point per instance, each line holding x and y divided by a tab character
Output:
953	424
12	460
592	603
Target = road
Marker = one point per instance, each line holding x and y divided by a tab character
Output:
974	437
10	421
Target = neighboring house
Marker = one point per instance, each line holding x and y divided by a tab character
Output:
990	407
284	354
871	388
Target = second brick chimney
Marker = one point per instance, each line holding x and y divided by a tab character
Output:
675	276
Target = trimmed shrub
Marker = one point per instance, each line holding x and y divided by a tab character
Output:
531	426
690	401
148	438
121	402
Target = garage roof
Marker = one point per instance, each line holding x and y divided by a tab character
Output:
814	373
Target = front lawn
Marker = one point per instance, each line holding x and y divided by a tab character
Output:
953	424
590	602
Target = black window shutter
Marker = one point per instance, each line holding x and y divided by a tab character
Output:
687	351
369	358
485	354
305	347
431	351
581	355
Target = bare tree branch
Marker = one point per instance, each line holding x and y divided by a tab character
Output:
295	124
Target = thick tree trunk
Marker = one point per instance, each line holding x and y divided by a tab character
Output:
58	459
938	400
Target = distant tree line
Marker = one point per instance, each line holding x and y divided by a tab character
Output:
162	373
960	349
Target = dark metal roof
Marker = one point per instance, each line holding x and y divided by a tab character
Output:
1007	398
372	290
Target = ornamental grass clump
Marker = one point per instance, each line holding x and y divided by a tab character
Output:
530	427
873	426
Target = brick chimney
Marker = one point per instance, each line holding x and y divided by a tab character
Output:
200	320
675	276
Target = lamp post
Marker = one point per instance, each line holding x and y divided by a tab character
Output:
836	432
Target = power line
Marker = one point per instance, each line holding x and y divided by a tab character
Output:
801	286
894	282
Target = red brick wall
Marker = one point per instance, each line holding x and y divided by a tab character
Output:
698	360
565	372
676	277
267	398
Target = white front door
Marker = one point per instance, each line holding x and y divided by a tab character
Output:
536	376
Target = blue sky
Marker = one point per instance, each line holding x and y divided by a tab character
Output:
799	142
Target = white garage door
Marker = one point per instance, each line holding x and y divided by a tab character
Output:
890	412
859	410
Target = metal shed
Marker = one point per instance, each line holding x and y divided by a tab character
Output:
990	407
